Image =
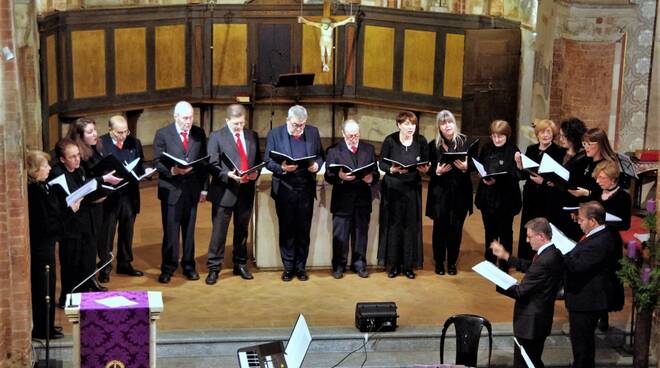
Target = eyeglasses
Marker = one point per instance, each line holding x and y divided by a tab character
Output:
585	143
297	125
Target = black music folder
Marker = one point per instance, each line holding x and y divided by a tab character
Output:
170	161
280	157
407	165
231	164
359	172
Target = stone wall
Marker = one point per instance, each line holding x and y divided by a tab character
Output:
15	312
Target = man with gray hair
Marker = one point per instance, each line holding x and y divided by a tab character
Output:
230	193
294	188
351	198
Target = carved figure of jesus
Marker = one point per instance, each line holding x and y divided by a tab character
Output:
326	41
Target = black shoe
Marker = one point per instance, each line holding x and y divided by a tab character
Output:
302	275
57	328
338	273
129	270
603	323
451	269
287	275
243	271
394	272
410	274
440	269
212	278
191	275
54	335
104	277
363	273
96	286
164	278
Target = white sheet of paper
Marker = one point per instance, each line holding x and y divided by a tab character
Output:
131	165
528	361
115	302
642	237
296	348
561	241
177	160
61	181
479	167
550	165
81	192
494	275
570	208
612	218
527	162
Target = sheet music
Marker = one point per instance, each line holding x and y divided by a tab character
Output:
131	165
549	165
61	181
527	162
561	241
494	274
296	348
479	167
526	357
81	192
612	218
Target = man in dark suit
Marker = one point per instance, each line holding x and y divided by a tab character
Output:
120	208
536	292
294	188
587	287
179	189
351	199
230	193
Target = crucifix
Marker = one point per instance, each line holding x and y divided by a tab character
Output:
326	23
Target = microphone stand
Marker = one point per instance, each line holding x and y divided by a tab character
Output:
70	305
47	363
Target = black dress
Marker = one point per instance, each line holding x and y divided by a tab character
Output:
618	204
576	166
44	223
400	232
448	201
499	202
96	209
539	200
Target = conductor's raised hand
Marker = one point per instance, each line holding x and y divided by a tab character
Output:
498	250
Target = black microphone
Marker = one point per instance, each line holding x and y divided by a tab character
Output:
112	257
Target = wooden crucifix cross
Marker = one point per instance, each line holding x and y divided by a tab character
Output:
326	23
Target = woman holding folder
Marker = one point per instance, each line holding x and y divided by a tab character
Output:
498	196
597	148
538	197
404	157
449	197
575	161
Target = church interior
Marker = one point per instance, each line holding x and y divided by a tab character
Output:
516	60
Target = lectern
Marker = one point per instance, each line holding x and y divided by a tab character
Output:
114	329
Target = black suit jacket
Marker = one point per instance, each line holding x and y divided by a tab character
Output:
346	196
535	294
223	190
168	140
278	140
131	150
587	286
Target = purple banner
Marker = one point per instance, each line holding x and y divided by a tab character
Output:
114	333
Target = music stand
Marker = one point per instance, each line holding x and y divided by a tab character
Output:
296	80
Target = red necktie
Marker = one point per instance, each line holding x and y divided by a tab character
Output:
536	256
184	134
583	237
241	151
354	149
296	137
120	144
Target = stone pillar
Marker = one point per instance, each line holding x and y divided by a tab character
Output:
15	310
652	136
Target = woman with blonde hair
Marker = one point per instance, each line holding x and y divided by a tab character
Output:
449	197
539	198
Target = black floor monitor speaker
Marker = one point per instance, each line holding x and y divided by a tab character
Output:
376	316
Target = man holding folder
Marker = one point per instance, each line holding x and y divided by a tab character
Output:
535	294
229	192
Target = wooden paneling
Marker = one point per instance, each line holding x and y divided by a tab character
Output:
230	54
170	56
88	63
311	56
51	69
454	55
378	65
350	55
130	60
418	61
53	131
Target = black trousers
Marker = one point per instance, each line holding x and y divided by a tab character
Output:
583	340
403	232
534	349
350	230
178	219
77	261
294	208
497	226
447	236
120	218
220	216
42	254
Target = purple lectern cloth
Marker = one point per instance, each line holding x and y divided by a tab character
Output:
114	334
